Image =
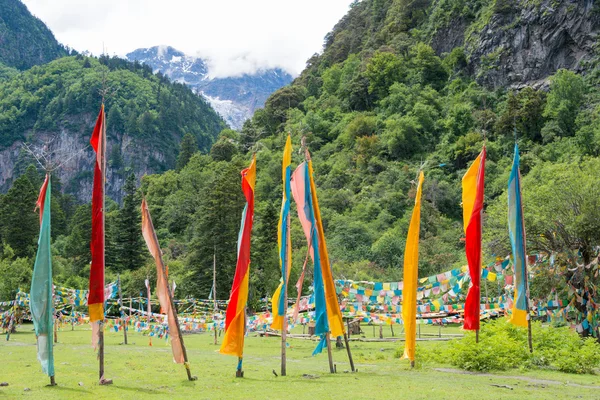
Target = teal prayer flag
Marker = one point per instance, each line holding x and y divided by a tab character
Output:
41	304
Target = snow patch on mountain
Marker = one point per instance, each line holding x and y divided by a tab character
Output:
235	98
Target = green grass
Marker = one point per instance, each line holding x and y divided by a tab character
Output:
140	371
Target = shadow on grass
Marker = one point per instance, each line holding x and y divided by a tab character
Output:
61	388
137	389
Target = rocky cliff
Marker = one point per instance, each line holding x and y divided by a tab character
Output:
521	43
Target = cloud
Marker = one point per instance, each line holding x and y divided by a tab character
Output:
236	36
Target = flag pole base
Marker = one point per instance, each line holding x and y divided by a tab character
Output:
105	381
239	373
52	381
412	364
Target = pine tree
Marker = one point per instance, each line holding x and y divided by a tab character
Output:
215	231
130	243
18	221
187	149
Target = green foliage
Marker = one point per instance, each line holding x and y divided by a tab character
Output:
503	346
26	41
19	224
187	148
566	96
130	244
65	94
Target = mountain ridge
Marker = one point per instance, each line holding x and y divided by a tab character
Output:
235	97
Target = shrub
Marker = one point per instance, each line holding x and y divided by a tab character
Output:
503	346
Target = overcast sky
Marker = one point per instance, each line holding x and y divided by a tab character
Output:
237	36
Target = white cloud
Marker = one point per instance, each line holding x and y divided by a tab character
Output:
237	36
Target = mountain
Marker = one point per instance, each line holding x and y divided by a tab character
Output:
235	98
400	86
25	41
55	105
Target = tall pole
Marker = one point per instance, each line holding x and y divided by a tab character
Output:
284	326
526	279
103	171
215	291
173	309
121	312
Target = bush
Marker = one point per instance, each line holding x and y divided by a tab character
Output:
503	346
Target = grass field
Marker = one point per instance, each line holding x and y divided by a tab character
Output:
140	371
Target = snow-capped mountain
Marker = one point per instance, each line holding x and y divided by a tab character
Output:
234	98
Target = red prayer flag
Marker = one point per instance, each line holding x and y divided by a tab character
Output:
96	293
473	183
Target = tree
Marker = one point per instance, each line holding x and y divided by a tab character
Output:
18	221
187	148
215	230
130	244
564	101
383	70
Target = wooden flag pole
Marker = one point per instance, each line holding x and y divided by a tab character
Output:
121	312
329	355
349	352
173	309
285	302
103	381
526	279
12	318
215	291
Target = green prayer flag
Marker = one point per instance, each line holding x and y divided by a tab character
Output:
41	304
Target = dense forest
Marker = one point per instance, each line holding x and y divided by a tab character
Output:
378	104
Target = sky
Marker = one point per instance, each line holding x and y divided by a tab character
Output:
236	36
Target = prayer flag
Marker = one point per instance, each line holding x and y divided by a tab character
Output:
41	304
162	287
472	198
235	317
334	315
411	273
302	192
96	288
283	240
516	231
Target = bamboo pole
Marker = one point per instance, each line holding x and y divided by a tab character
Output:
329	355
215	290
349	352
173	309
121	312
55	330
285	301
103	381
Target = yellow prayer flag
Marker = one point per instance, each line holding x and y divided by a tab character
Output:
411	272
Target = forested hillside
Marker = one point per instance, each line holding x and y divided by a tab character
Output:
57	104
25	41
384	99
